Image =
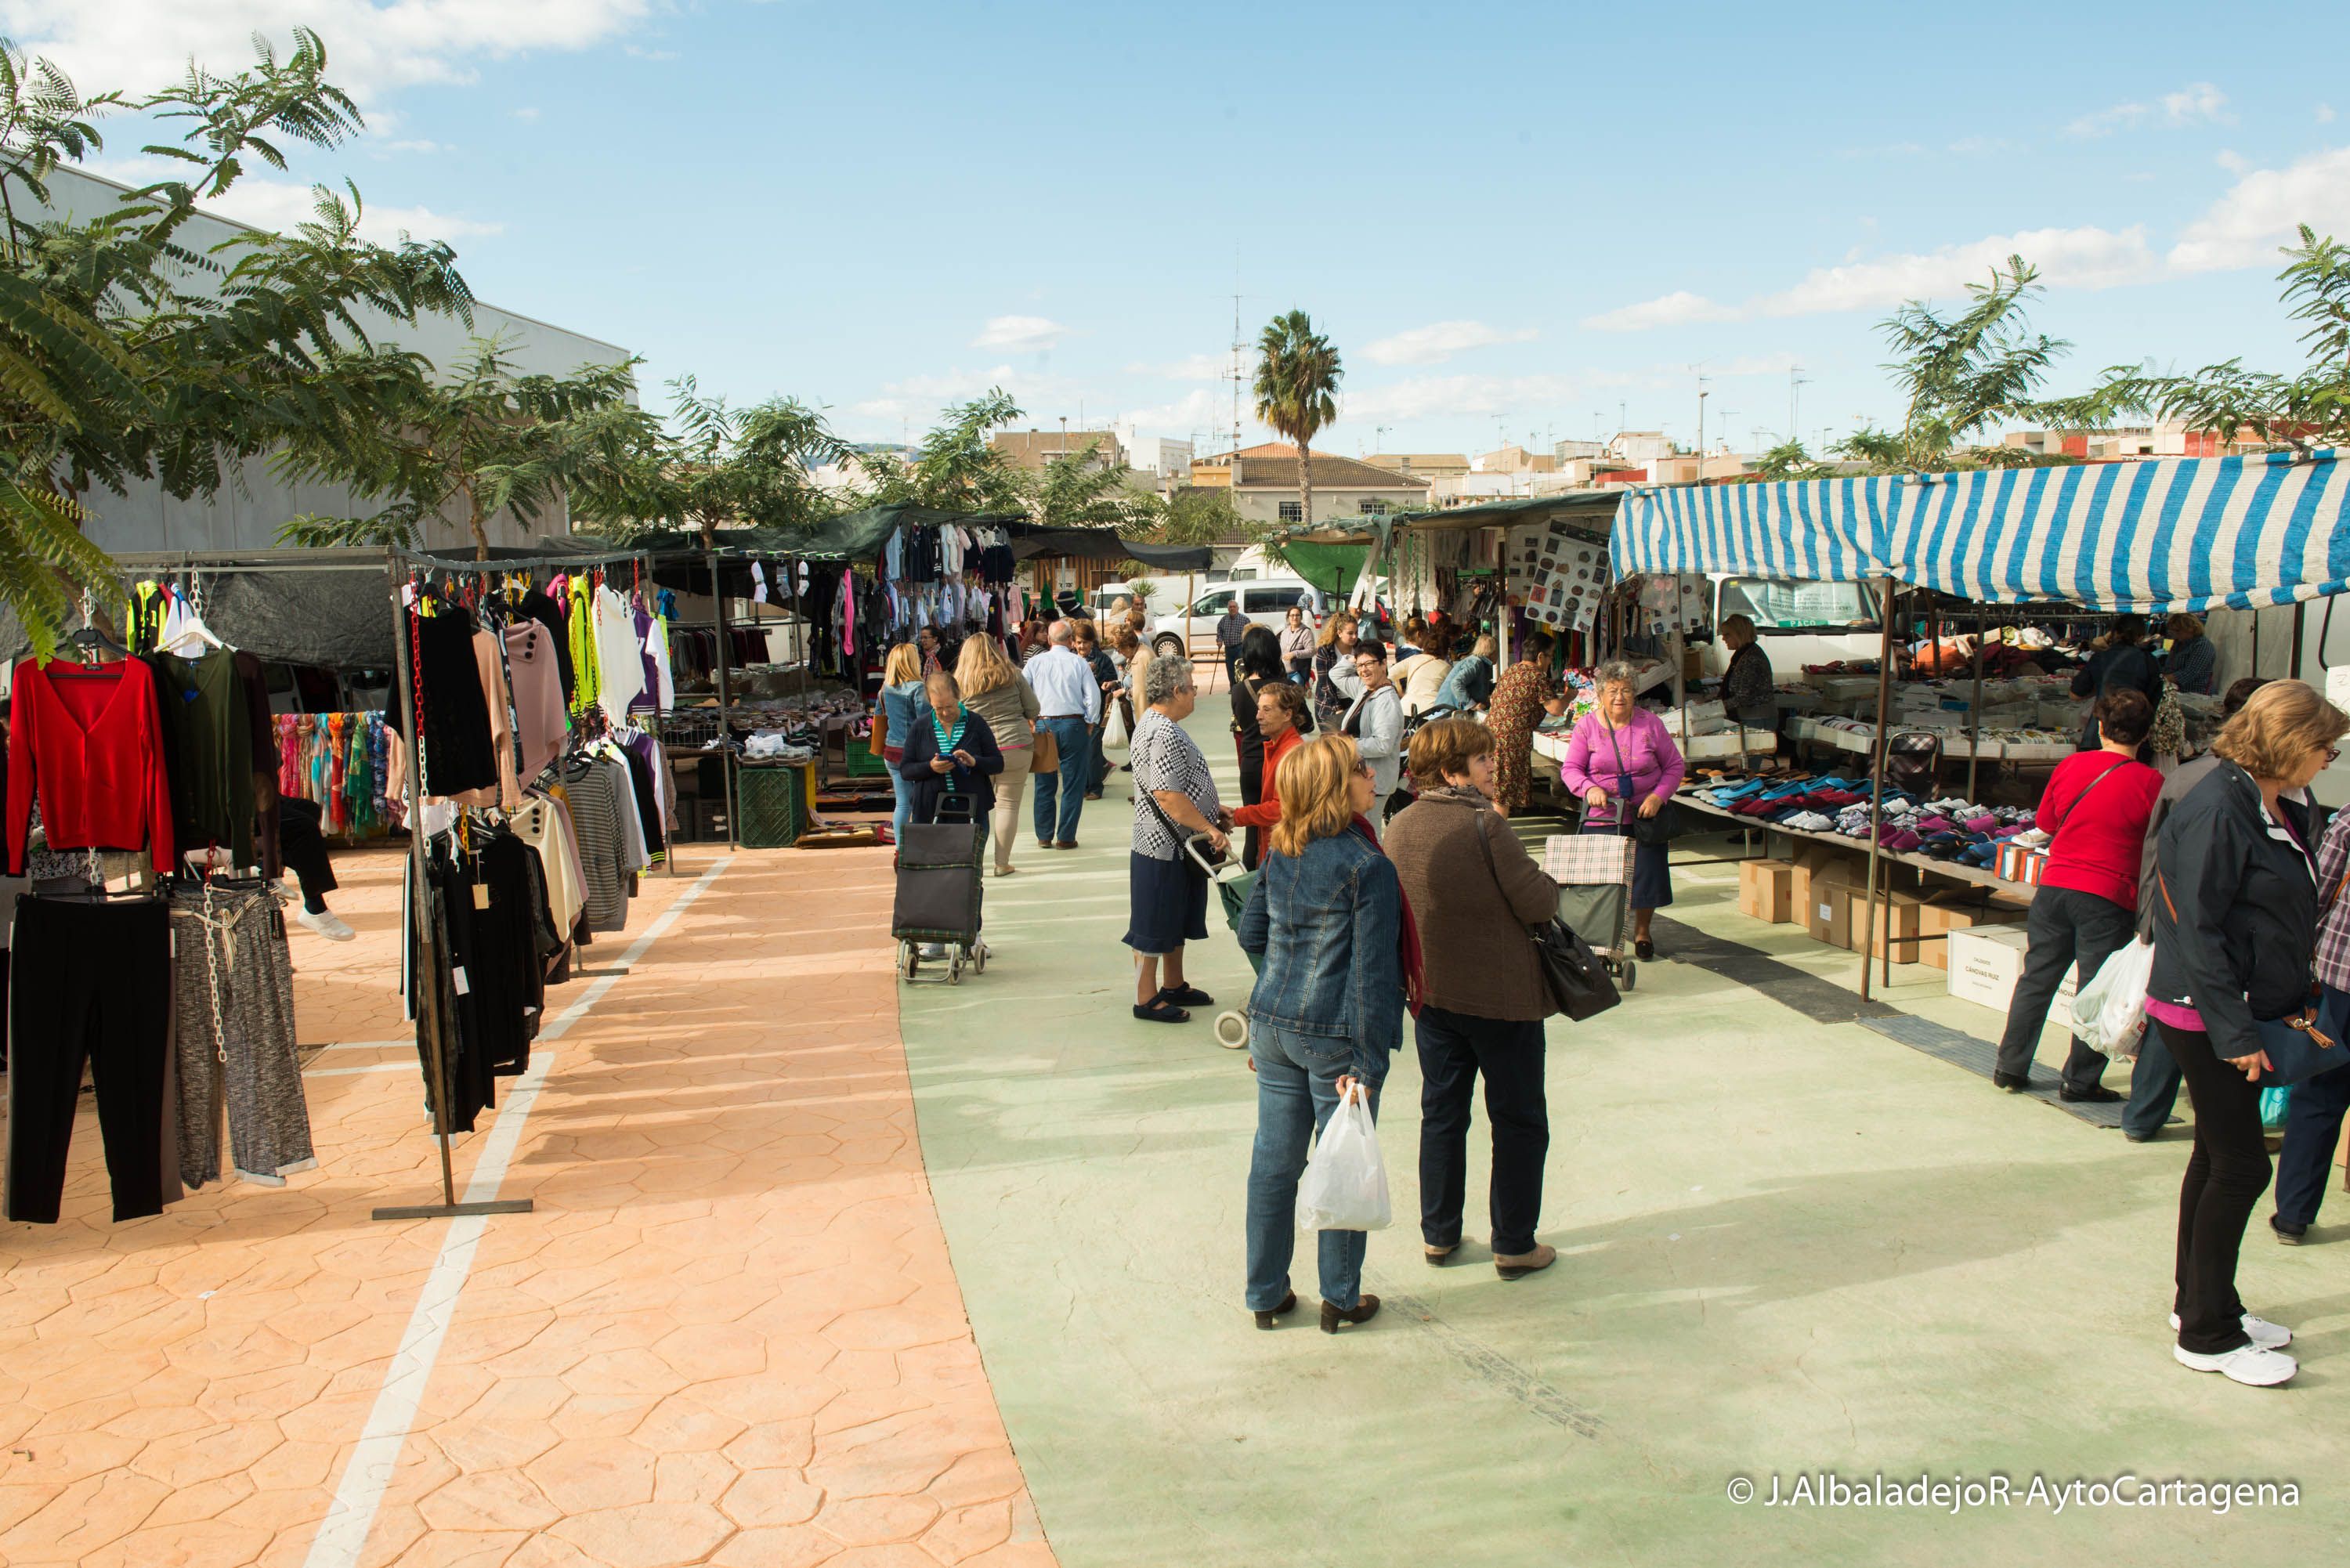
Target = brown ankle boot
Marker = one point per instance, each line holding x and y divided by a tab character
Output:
1362	1310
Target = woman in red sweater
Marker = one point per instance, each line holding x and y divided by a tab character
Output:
1279	706
2094	811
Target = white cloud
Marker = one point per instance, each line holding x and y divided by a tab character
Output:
1520	397
1751	365
2194	104
1440	340
2324	114
917	399
2261	210
1024	333
2086	258
1675	309
372	47
528	113
418	145
280	204
1195	367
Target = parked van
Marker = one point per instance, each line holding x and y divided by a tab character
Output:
1799	623
1264	600
1165	597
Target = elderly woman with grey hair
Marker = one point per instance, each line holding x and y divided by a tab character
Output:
1622	763
1174	798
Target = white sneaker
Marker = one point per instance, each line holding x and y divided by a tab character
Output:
327	923
2249	1364
2266	1334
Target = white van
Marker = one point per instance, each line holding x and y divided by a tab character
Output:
1264	600
1798	623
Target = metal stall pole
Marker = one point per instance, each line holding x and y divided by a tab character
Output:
1974	708
726	701
428	964
1876	795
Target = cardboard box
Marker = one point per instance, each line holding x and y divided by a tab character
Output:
1985	964
1897	920
1950	912
1829	917
1766	891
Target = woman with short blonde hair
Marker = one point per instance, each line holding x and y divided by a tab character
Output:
1325	921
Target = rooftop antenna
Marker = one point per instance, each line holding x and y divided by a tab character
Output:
1795	379
1379	436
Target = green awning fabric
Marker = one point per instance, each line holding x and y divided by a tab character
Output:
1330	567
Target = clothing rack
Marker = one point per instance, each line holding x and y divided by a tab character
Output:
399	564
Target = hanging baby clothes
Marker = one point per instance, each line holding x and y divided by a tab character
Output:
232	986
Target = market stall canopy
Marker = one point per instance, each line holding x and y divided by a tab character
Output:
1588	509
2180	534
1104	544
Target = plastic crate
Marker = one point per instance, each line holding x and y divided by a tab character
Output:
862	763
770	806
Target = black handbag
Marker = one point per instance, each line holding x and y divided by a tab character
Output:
1577	981
1668	825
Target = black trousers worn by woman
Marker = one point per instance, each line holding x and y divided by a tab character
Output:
2225	1178
1454	1048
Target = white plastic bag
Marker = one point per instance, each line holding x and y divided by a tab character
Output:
1114	736
2109	1012
1344	1187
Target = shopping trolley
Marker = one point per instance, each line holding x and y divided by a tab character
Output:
1594	873
1232	882
938	896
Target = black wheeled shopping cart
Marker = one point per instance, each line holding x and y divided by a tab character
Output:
1232	882
938	898
1594	873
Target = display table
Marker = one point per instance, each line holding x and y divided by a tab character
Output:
1955	744
1689	798
1702	748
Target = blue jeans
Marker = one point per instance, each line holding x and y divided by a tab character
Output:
2313	1127
1100	774
1296	1090
2154	1086
1060	796
904	793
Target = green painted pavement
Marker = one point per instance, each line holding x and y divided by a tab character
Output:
1786	1247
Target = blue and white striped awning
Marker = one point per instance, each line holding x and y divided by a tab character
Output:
2179	533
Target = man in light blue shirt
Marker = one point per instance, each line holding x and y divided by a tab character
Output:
1068	705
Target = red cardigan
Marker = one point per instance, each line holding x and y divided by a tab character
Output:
93	746
1267	810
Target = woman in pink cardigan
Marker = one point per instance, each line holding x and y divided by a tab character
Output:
1622	752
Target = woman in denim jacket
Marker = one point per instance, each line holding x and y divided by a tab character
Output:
904	708
1324	921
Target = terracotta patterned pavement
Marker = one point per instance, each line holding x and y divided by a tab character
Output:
728	1334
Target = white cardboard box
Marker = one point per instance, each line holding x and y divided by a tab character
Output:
1985	963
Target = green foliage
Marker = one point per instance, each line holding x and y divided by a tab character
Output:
485	438
128	356
1788	459
956	468
1961	374
1296	390
715	467
1073	490
2301	411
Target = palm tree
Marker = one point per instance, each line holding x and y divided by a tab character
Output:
1297	376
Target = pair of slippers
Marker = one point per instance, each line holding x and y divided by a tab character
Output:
1170	1006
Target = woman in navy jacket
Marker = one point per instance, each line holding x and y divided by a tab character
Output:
950	752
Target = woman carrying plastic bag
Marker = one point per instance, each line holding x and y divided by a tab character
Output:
2109	1012
1326	922
1344	1187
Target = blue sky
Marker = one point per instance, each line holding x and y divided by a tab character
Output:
1512	219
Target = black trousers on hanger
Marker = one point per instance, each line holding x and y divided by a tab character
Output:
92	984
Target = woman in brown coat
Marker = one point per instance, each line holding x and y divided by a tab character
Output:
1472	890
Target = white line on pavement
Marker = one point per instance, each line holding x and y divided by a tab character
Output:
342	1535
